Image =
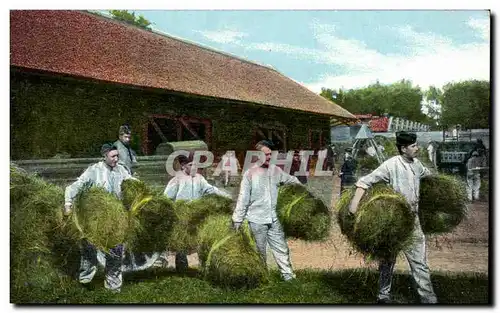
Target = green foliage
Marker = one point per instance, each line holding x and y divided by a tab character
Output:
400	99
131	18
83	115
466	103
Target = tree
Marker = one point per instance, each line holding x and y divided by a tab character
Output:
400	99
130	18
433	100
466	103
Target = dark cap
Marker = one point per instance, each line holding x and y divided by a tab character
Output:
405	138
125	129
265	143
183	160
105	148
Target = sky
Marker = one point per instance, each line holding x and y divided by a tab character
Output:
341	48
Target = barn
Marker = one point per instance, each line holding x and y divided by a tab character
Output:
76	76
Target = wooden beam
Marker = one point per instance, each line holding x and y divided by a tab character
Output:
259	131
275	133
157	128
186	124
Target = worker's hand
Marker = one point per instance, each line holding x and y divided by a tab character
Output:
358	194
67	209
236	225
340	174
353	206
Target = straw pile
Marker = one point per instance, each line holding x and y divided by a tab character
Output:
229	258
301	214
442	205
100	217
383	224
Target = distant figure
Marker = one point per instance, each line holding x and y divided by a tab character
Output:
473	176
228	158
430	151
480	147
347	170
296	163
322	156
330	158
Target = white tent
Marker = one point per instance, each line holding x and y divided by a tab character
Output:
364	141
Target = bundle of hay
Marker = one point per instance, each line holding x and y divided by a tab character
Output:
344	218
151	225
301	214
101	218
35	225
229	258
443	203
135	194
383	224
190	215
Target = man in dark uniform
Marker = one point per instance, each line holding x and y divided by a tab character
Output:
347	170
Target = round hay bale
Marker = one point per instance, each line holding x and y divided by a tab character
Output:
101	218
229	258
344	218
443	203
135	193
301	214
383	224
191	215
151	225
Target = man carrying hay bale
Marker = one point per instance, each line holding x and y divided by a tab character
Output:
257	203
109	175
403	173
187	185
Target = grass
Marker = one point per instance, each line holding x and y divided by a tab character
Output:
352	286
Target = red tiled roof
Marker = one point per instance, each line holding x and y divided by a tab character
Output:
86	45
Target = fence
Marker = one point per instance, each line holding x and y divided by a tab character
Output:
150	169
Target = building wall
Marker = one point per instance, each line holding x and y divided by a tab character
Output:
53	115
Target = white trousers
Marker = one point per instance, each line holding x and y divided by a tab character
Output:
273	235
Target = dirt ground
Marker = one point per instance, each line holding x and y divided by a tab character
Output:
464	250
